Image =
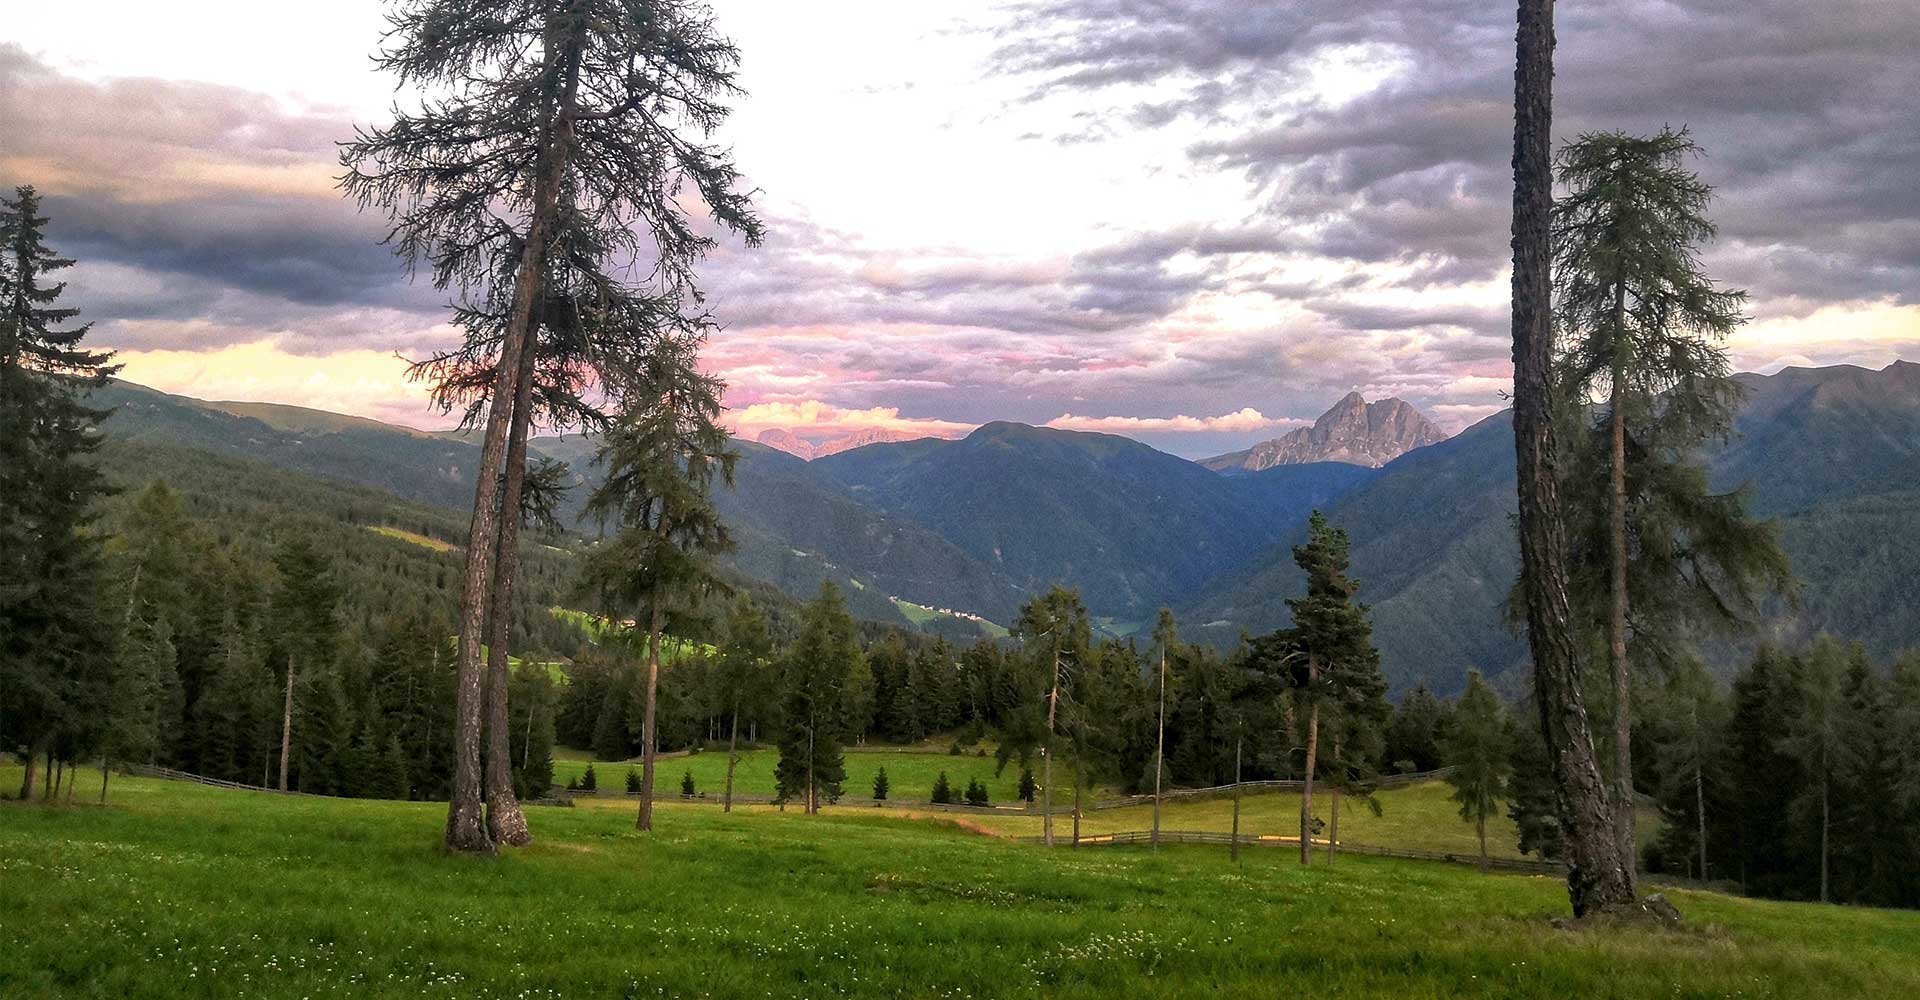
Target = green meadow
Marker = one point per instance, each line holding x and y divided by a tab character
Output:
179	890
910	773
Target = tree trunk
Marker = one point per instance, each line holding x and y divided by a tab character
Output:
1481	825
647	738
1076	811
1333	826
1233	848
466	826
1046	753
506	824
1306	789
26	781
1700	816
286	724
1617	612
103	780
1160	749
733	758
52	792
1597	875
1824	825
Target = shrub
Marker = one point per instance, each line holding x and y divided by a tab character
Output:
880	785
942	790
1028	787
633	782
588	782
686	784
976	793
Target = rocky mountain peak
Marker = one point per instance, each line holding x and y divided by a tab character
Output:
1353	431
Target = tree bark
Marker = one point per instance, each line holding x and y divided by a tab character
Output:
1700	806
1824	825
733	758
103	780
26	781
647	740
1160	749
1617	612
1333	819
1233	847
1597	875
1481	824
286	725
466	825
1306	789
506	824
1046	753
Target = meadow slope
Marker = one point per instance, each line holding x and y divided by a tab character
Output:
178	890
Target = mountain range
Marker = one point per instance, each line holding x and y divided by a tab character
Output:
793	444
1353	431
979	524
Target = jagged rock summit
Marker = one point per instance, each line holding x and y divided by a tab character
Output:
794	444
1354	431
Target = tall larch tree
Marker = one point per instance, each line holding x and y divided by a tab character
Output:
583	119
1598	874
815	673
745	661
660	460
1476	749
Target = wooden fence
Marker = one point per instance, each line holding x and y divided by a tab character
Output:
1517	865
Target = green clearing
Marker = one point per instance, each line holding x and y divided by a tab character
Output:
920	614
413	538
180	890
909	773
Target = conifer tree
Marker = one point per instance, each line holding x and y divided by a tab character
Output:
633	781
744	665
880	785
549	121
816	672
976	793
942	790
686	785
1816	741
56	638
1476	749
1641	321
305	602
589	782
1027	785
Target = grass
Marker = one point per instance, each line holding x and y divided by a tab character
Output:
920	614
910	773
186	891
413	538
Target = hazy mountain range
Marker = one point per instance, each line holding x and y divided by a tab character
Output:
981	523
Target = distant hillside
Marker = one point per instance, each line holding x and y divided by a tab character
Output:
809	449
1832	453
1353	431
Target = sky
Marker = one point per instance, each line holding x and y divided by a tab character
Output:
1198	224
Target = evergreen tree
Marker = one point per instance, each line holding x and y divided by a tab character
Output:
56	638
1055	645
1688	723
578	121
744	665
1476	748
686	785
942	790
633	782
1530	791
1816	741
976	793
305	604
589	782
1416	732
880	785
1764	777
1644	323
815	675
1027	786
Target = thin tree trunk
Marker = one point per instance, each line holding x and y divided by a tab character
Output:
1233	848
1160	749
466	824
1306	789
1824	826
733	758
1333	827
506	823
1617	613
1597	875
1699	789
1481	824
52	792
647	738
26	781
73	778
286	724
1076	811
103	780
1046	752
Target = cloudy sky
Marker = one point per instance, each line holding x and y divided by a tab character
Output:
1198	223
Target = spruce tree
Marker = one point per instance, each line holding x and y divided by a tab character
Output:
633	782
880	785
305	604
589	782
686	785
745	662
816	672
942	790
57	639
976	793
1476	749
1027	785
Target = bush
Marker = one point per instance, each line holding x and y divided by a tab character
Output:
633	782
880	785
942	790
686	784
588	782
1028	787
976	793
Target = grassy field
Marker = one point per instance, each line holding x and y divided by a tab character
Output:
412	538
910	774
185	891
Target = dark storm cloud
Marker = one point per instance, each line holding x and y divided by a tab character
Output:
1807	110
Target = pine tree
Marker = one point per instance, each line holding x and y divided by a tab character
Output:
1027	785
1476	748
589	782
686	785
557	132
633	782
744	664
942	790
880	786
815	674
976	793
